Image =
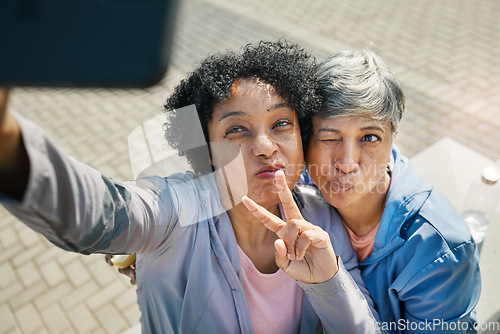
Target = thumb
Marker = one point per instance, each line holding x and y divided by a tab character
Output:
280	254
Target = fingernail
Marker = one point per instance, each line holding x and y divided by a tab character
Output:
290	257
297	258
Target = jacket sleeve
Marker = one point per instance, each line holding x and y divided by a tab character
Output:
340	305
445	291
78	209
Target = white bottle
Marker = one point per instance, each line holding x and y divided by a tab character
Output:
481	202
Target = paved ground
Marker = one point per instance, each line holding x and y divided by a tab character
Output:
446	53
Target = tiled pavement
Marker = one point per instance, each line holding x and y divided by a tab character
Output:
446	53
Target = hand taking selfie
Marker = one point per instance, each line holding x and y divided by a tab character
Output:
303	251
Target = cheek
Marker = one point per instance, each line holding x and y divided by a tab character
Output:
290	145
318	167
224	154
374	169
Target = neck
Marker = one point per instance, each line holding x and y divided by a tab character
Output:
364	216
256	240
247	228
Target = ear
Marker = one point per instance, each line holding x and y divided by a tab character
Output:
394	136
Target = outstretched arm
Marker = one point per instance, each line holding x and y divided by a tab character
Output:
75	206
14	164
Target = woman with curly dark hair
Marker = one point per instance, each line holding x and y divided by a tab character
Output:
205	264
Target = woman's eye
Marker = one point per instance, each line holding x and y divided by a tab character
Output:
235	129
281	123
371	138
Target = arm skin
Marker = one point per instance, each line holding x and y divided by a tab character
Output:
14	163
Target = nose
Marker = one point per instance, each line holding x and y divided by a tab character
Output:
347	159
264	146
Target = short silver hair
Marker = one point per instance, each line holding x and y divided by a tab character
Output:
359	83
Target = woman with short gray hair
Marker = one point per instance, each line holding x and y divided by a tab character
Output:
416	254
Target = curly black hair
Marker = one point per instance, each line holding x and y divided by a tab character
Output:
285	66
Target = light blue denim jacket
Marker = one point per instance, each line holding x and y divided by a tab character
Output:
188	269
424	266
423	274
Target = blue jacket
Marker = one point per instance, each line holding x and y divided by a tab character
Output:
424	265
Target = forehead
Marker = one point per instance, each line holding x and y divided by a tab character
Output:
253	85
350	123
249	96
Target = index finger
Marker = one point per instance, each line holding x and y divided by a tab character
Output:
269	220
290	208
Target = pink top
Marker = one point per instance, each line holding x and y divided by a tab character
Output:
362	245
275	300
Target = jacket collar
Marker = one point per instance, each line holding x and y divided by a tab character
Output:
407	193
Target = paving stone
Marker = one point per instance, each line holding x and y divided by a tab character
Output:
82	320
28	237
28	319
8	275
8	237
20	299
28	274
65	258
105	295
102	273
52	273
111	319
126	300
79	295
132	314
28	254
76	272
50	253
10	292
7	320
55	320
53	295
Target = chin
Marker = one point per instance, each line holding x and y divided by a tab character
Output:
266	199
339	201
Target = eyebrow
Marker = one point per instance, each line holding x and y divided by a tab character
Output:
280	105
231	114
371	127
328	130
242	113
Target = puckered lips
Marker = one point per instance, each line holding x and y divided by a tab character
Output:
269	171
340	186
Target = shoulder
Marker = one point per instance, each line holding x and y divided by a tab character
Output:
316	210
436	242
421	215
312	205
437	254
440	213
437	221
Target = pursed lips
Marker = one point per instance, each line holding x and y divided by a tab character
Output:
341	186
268	172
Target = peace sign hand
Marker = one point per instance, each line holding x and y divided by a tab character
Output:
303	251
